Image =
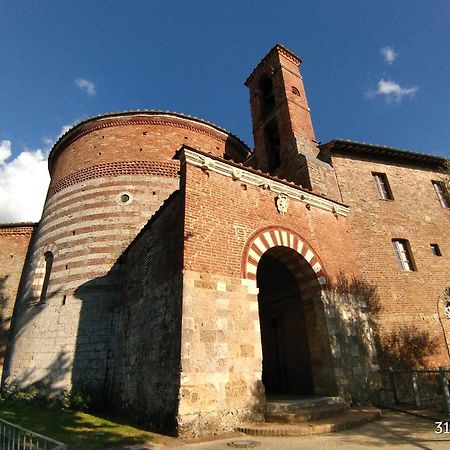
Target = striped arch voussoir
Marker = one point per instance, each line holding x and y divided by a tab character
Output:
265	239
51	248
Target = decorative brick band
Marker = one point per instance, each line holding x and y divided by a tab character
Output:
271	237
187	125
167	169
145	118
16	231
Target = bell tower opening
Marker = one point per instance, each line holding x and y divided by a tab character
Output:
295	343
272	140
267	99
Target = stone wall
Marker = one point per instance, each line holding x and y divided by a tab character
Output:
349	306
221	354
147	363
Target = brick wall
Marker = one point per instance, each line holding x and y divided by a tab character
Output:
139	138
221	211
411	314
221	342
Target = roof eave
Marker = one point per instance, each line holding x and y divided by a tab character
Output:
337	145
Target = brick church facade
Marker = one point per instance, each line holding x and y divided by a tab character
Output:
181	278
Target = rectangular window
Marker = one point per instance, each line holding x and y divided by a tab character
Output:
442	194
382	184
435	250
402	252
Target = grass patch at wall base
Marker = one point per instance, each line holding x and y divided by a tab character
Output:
79	430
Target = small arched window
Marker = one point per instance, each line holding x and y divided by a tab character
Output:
48	263
295	91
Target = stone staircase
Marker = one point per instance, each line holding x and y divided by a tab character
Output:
303	416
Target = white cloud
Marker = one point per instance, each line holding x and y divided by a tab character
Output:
23	184
388	54
47	141
86	86
392	91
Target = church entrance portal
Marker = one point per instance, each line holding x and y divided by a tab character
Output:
295	352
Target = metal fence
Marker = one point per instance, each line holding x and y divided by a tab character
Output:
423	388
13	437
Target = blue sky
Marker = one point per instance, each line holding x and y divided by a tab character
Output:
374	71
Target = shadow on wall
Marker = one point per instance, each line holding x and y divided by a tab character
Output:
96	335
406	347
361	347
27	308
85	365
351	306
34	380
46	385
127	349
4	320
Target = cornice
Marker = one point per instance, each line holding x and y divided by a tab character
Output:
142	118
337	146
16	229
277	48
250	177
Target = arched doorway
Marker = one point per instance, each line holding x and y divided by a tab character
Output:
295	342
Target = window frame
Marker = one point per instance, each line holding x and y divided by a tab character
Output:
435	249
48	266
403	255
441	193
382	186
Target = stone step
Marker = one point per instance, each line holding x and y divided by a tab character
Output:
354	417
307	414
279	404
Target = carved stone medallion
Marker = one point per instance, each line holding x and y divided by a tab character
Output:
282	201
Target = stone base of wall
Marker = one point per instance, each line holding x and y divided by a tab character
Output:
221	356
213	422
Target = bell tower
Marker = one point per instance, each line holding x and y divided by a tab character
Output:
285	143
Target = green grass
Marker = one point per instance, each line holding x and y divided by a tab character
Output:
80	431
